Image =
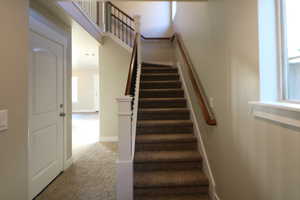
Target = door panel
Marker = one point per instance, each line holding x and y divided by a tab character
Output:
45	98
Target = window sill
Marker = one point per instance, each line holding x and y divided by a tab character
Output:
280	112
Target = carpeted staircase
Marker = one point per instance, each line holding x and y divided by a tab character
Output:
167	163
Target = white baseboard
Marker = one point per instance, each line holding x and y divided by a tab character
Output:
109	139
68	163
216	196
206	164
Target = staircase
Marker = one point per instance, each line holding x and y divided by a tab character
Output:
167	164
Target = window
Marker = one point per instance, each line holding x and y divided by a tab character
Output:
290	49
174	8
74	89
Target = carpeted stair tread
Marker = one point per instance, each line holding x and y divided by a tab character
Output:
175	178
163	114
167	156
159	76
160	84
159	93
162	103
165	138
164	123
178	111
159	70
155	65
174	197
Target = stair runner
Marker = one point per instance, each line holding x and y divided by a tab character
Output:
167	164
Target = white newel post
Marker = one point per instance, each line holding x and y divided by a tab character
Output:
137	23
125	162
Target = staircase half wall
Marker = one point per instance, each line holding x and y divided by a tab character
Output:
114	66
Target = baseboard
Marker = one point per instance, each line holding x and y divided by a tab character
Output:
68	163
216	196
109	139
84	111
206	167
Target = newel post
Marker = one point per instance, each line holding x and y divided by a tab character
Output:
125	162
137	23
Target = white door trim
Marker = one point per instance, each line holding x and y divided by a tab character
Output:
42	29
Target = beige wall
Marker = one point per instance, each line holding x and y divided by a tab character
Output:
155	16
86	89
114	66
13	96
251	158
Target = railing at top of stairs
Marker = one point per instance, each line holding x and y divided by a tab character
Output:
111	19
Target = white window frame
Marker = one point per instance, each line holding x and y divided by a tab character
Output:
283	53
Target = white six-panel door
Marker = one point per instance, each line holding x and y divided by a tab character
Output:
46	72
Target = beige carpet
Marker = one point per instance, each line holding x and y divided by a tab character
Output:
91	177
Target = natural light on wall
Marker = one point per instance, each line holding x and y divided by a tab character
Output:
291	28
174	7
74	89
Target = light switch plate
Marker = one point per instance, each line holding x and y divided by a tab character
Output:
3	120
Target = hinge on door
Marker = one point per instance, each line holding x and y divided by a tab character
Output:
62	114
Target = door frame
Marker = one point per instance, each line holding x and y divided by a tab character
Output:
42	29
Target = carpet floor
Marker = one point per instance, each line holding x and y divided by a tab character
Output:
91	177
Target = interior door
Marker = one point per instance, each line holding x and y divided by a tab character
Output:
45	105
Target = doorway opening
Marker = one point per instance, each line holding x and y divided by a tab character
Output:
85	91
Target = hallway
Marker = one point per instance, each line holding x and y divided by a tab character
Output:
92	175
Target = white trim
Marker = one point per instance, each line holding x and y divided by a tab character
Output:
277	118
68	163
85	111
117	40
216	196
206	164
109	139
277	105
43	29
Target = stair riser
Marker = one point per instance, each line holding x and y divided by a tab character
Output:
167	166
160	78
164	116
165	146
162	104
164	129
172	85
170	190
159	70
164	94
151	65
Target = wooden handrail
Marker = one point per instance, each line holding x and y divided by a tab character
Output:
121	11
131	67
208	115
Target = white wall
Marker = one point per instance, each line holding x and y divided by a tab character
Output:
155	16
13	96
86	90
251	158
114	66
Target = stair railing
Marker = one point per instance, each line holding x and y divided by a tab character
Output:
91	8
207	111
119	23
128	111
